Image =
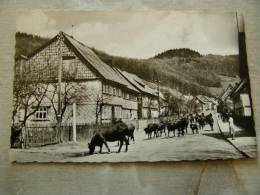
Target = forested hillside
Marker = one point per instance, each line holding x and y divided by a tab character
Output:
182	69
27	43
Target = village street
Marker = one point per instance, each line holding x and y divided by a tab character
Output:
205	145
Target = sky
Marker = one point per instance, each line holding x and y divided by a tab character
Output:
140	34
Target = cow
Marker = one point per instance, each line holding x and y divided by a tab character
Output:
182	125
201	121
161	129
116	132
185	122
209	120
171	127
194	127
151	128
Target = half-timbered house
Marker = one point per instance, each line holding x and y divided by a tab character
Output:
148	100
106	93
241	99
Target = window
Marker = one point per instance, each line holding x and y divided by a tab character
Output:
68	67
110	90
106	112
119	92
106	88
114	91
41	114
133	97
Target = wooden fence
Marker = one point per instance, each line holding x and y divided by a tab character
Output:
45	134
40	135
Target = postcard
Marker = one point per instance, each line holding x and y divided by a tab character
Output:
147	86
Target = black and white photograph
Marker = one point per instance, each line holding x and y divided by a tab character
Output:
132	86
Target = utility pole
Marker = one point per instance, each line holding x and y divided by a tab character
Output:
72	26
60	39
74	132
158	92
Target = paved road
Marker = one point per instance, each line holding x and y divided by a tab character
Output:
189	147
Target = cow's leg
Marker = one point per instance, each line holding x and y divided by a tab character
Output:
100	151
133	138
126	144
108	149
121	144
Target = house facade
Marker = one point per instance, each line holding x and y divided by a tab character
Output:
148	100
100	92
241	99
204	103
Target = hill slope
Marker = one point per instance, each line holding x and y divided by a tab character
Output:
183	69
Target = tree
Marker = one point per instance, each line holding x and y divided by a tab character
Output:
70	92
28	94
174	103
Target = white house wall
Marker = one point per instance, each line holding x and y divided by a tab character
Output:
86	106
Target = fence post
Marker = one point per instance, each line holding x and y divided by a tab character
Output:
74	134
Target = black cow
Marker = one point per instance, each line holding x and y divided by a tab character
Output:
161	129
201	121
171	127
117	132
151	128
194	127
182	125
209	120
185	122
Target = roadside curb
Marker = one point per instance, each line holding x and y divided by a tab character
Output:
223	135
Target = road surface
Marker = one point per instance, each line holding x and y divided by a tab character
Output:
203	146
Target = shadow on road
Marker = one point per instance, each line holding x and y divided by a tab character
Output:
214	135
83	154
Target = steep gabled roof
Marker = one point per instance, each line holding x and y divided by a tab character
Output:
238	87
139	83
197	97
210	99
128	84
202	99
89	58
102	68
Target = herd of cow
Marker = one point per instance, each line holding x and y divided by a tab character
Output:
180	126
123	132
